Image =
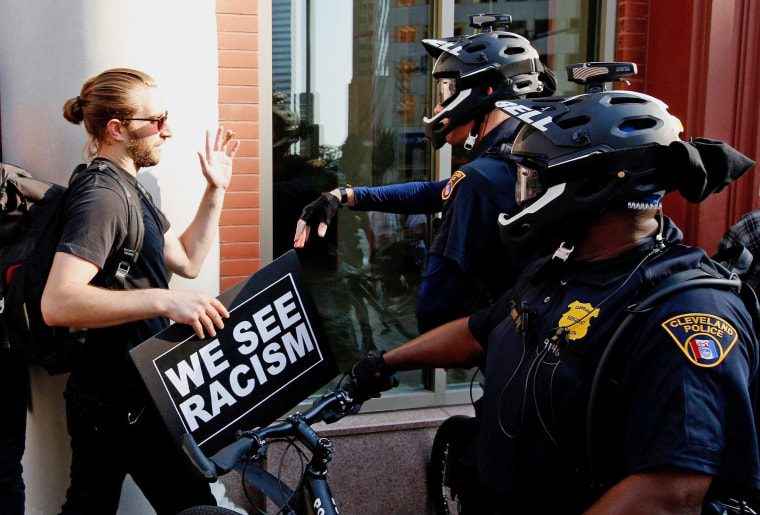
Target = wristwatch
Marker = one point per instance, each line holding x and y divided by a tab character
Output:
343	196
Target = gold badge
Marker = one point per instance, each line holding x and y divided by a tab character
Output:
455	178
705	339
577	320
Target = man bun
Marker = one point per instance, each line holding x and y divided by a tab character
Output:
72	110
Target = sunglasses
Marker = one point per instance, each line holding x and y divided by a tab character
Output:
445	89
160	121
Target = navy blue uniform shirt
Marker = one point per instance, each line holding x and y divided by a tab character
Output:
468	268
685	398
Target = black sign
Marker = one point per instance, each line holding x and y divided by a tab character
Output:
271	355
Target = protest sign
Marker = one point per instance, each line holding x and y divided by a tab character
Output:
271	354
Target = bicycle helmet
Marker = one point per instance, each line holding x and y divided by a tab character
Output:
466	66
285	123
579	156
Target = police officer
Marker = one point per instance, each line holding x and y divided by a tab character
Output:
464	255
677	424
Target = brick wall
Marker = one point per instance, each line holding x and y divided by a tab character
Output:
632	38
237	25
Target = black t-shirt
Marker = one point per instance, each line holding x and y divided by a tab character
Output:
95	229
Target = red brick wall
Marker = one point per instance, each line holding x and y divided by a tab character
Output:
632	38
237	25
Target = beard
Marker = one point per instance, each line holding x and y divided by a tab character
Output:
142	153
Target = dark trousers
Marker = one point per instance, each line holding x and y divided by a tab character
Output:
14	388
106	447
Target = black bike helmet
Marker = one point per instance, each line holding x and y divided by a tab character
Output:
286	128
466	66
578	156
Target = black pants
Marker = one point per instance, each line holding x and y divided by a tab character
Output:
106	447
14	387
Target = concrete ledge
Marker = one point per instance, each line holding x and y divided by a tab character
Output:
391	421
380	462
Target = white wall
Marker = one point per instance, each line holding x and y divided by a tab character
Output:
48	48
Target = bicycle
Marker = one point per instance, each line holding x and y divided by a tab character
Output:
312	495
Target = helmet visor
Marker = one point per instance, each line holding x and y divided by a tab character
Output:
445	90
528	186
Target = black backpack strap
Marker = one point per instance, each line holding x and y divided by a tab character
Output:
130	250
737	259
673	284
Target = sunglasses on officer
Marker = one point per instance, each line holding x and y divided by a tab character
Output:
528	186
445	89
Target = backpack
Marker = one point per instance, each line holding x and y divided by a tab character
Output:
724	497
31	222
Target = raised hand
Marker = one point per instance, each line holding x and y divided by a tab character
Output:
216	163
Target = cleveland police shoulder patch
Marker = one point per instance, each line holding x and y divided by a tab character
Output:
455	178
705	339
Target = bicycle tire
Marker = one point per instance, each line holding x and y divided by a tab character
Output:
208	510
445	502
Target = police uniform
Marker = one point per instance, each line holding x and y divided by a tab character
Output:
685	393
467	266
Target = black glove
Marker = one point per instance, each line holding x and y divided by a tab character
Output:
368	377
321	210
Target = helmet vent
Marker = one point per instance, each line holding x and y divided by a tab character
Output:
571	101
627	100
514	50
573	122
637	124
475	48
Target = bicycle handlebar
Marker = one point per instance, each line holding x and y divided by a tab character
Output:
330	407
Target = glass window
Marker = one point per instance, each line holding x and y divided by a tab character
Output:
351	85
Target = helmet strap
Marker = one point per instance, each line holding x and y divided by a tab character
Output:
471	139
469	144
562	253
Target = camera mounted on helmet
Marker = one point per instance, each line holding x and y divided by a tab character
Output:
490	22
582	155
473	72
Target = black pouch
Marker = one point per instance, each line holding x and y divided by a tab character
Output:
85	412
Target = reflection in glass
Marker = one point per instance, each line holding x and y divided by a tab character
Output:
356	78
356	75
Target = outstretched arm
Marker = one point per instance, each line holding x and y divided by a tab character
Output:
449	345
415	197
185	254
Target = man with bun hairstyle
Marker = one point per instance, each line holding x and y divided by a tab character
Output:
471	73
115	428
665	421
